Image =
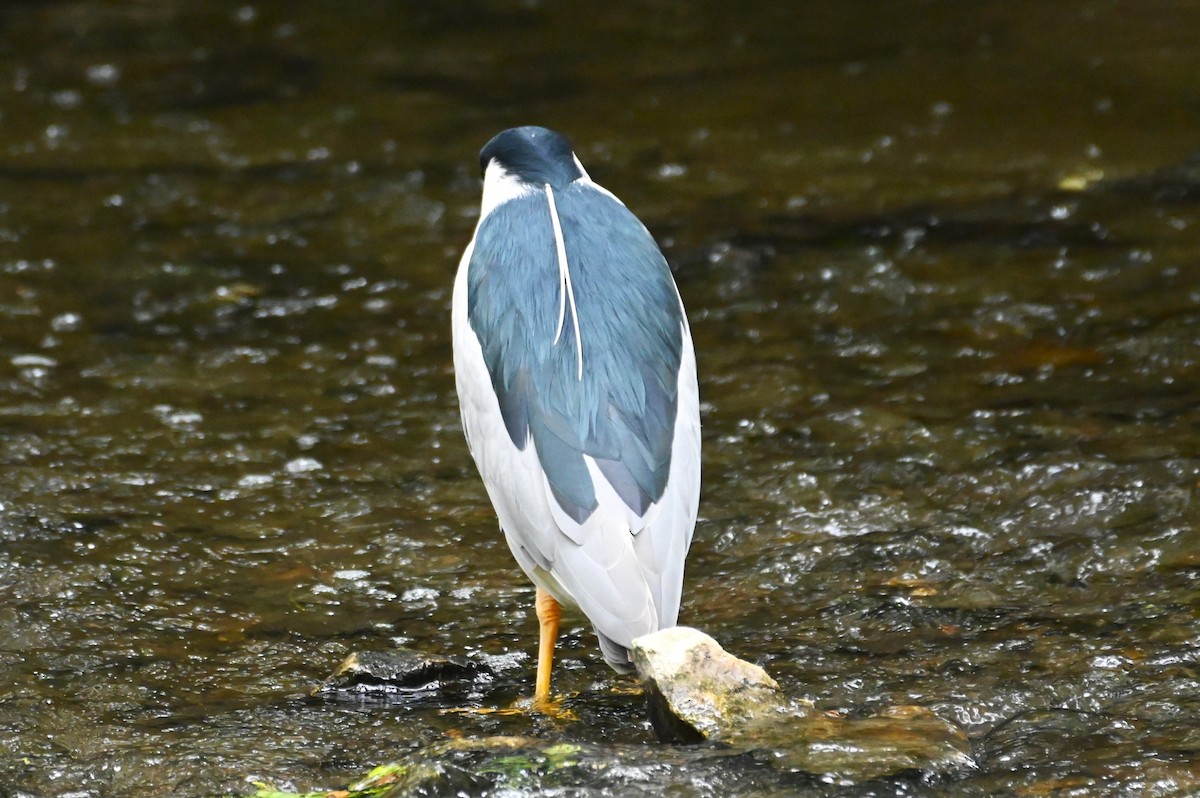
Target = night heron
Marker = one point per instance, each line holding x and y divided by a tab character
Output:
577	385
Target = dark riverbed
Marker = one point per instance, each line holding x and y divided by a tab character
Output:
942	262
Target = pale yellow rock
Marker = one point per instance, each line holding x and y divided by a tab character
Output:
697	691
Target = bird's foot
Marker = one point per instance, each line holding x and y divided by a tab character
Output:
552	707
627	688
510	710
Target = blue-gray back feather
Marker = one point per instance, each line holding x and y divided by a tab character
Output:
622	411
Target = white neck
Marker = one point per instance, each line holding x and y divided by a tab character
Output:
499	187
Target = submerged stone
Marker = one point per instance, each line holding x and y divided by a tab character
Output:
698	691
476	766
528	766
898	739
402	672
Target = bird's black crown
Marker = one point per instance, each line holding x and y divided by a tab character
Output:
535	155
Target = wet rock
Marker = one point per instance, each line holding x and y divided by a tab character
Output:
526	766
698	691
476	766
896	740
403	673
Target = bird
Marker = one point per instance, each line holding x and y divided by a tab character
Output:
576	379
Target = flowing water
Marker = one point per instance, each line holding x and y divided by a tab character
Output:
941	262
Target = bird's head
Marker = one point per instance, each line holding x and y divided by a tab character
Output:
533	155
522	160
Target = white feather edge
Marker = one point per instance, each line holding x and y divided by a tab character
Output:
566	289
624	571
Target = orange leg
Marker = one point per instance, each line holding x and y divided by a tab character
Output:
547	614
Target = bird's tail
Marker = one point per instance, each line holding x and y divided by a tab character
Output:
616	655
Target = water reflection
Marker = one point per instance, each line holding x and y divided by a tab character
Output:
941	273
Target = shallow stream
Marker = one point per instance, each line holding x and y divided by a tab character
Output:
942	263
